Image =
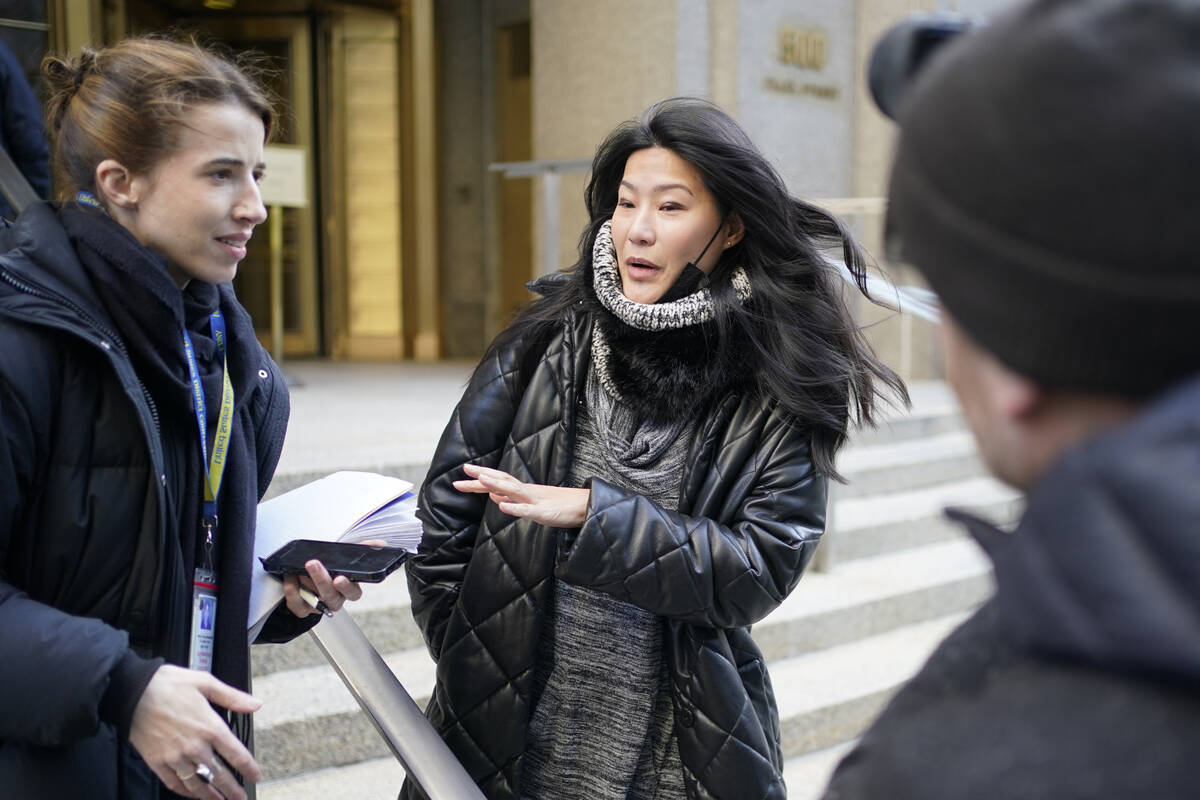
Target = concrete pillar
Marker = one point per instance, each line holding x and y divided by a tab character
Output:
427	338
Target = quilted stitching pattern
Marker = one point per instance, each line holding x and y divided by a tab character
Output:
482	578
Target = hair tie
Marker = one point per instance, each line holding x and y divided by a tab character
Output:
79	76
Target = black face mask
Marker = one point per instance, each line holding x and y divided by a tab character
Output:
687	282
691	276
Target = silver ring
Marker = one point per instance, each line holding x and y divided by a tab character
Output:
204	773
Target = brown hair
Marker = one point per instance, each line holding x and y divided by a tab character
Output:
128	101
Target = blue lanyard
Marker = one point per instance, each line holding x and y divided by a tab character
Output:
88	199
214	467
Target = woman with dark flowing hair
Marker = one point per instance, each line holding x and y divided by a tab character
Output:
636	474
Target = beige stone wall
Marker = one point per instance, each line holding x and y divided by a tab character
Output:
591	73
366	62
906	343
874	133
723	39
461	107
594	65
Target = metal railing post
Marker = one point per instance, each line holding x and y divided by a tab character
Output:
411	737
826	553
550	172
550	215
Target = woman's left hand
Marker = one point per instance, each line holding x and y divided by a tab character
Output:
557	506
333	592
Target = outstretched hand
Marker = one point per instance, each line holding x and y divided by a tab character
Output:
557	506
177	732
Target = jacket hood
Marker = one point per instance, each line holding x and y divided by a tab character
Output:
1104	567
37	251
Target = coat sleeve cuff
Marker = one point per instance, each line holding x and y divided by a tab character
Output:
568	536
283	626
126	683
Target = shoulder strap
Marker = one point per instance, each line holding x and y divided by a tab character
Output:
13	185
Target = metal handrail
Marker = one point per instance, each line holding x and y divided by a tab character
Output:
549	170
530	169
915	300
7	22
410	736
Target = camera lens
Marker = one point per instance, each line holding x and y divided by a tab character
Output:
900	53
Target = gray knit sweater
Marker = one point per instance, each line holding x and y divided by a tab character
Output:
603	725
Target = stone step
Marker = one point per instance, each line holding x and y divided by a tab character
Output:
856	597
807	776
883	523
907	464
411	462
860	528
916	424
829	696
376	779
826	699
863	598
934	410
880	444
379	779
310	721
383	614
871	596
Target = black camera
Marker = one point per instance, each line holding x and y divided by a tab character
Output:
900	53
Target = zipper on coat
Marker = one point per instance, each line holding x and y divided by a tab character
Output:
110	336
153	438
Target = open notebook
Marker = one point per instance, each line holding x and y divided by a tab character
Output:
343	506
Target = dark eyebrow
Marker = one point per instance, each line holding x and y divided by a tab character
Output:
661	187
233	162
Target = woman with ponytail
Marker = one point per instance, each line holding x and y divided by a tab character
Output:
140	423
636	474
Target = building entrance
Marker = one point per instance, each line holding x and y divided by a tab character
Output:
287	44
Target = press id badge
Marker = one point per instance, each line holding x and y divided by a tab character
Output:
204	620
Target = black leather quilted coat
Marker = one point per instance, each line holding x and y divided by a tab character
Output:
751	512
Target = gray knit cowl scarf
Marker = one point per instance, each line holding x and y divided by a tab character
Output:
664	361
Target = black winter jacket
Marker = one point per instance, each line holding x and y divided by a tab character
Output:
90	566
21	132
751	512
1080	679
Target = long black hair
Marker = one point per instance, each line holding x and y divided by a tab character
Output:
796	332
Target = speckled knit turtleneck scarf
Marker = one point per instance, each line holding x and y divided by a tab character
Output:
660	360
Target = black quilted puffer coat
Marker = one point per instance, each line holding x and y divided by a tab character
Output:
91	562
751	511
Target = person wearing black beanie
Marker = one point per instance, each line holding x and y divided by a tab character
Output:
1047	185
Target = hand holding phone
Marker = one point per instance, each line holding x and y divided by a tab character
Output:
361	563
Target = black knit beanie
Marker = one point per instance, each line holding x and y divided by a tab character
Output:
1047	184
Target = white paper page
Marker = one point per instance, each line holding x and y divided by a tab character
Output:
323	509
395	523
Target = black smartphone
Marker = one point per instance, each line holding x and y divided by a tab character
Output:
358	562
